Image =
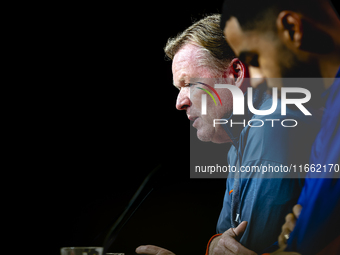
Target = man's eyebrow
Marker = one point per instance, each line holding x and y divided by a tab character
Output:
244	56
180	81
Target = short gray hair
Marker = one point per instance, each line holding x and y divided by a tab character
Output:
206	33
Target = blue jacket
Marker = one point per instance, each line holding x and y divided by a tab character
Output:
264	202
319	221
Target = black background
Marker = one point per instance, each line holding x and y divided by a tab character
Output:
109	120
112	121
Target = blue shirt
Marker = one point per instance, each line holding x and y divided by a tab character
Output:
264	202
319	221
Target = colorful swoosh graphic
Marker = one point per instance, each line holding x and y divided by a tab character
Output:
211	88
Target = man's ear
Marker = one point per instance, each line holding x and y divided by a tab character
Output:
238	72
299	33
289	27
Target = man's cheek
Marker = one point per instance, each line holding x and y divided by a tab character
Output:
196	104
207	120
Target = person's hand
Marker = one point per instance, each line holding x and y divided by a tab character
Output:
289	226
228	242
153	250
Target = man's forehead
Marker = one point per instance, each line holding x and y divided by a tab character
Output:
243	42
234	35
186	53
185	58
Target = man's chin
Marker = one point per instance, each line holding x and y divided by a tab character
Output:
209	135
204	136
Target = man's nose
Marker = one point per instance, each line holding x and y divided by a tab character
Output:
183	100
256	76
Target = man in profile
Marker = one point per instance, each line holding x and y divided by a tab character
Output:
202	52
299	38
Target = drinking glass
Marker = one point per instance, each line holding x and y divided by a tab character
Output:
81	251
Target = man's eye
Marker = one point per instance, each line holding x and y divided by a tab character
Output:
189	84
254	61
250	59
